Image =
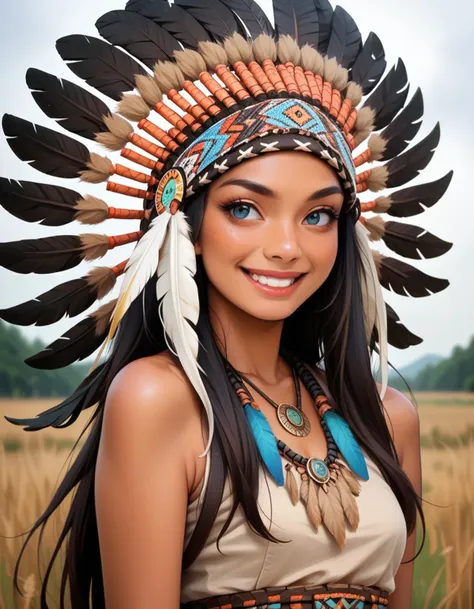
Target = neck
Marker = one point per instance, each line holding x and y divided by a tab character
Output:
250	344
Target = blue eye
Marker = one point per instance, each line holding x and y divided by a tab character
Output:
319	218
240	210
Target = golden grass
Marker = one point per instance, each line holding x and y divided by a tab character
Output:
28	478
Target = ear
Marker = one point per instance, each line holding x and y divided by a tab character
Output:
197	248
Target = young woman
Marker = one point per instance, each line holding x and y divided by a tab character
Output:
240	453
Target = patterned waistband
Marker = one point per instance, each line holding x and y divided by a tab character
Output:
330	596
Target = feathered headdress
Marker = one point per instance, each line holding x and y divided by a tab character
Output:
227	86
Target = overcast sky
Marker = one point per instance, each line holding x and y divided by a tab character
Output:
433	37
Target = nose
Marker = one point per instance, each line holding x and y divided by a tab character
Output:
281	242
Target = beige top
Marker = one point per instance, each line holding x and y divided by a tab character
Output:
371	556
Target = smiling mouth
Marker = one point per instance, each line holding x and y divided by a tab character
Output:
274	282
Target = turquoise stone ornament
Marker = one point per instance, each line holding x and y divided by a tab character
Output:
293	420
318	470
170	192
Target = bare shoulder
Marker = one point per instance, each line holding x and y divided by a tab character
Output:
402	420
152	385
152	397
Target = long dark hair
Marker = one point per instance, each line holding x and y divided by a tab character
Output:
328	328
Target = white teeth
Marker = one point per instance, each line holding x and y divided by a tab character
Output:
273	281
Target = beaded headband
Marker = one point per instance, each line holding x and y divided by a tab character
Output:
226	85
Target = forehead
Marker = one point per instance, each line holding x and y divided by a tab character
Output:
283	171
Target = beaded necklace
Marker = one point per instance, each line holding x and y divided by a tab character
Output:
328	486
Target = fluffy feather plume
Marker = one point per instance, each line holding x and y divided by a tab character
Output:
133	107
378	178
177	293
118	132
238	49
288	50
312	60
148	89
190	63
213	54
364	124
91	210
336	75
100	168
354	93
373	298
168	76
377	146
264	47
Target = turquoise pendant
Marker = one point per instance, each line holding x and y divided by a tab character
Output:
293	420
318	470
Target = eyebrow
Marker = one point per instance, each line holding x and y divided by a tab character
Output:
268	192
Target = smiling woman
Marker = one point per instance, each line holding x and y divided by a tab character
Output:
237	409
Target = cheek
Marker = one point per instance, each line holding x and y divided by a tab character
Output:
323	254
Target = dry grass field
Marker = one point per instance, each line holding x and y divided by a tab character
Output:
32	463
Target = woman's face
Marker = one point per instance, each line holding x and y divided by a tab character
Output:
271	219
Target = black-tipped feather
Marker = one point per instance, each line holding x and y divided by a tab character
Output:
345	42
404	128
214	16
413	242
399	276
65	413
70	298
370	64
298	18
101	65
175	20
414	200
45	255
139	36
71	106
76	344
398	335
390	96
252	15
325	15
33	202
408	165
44	149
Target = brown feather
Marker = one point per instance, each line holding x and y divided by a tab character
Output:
332	514
94	246
91	210
102	279
290	484
304	490
351	480
348	502
312	508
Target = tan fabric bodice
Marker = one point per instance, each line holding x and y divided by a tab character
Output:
371	556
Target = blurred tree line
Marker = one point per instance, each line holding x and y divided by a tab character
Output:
454	373
19	380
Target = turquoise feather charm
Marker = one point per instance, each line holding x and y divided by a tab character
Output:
266	442
346	443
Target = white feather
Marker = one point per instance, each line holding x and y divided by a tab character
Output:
179	303
374	306
141	266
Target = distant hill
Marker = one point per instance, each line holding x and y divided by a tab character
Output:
411	370
19	380
453	373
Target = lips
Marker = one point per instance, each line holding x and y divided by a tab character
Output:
274	283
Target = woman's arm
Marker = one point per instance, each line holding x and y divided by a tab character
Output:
403	423
141	486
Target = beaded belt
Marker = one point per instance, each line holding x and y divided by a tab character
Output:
330	596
